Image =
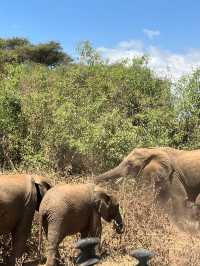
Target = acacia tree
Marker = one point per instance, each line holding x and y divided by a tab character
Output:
19	50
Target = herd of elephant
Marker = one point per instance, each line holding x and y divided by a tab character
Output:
66	209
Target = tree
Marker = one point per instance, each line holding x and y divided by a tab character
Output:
19	50
188	109
87	54
13	43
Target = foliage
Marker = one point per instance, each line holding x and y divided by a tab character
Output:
19	50
89	114
87	54
188	110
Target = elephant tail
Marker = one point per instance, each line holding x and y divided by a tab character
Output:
40	235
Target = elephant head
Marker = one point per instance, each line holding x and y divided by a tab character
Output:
145	161
107	207
42	184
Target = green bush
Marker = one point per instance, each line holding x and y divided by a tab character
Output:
188	110
88	115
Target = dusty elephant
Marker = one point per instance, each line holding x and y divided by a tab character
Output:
20	196
68	209
176	173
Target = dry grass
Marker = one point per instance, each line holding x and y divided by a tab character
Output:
147	226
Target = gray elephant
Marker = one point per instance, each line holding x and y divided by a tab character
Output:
68	209
20	196
175	173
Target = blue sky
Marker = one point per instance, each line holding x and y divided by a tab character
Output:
164	29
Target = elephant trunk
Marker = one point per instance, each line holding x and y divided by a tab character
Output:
111	174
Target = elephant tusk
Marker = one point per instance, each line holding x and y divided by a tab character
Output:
119	180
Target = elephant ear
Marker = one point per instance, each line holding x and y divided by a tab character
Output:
102	203
42	184
165	173
41	189
158	165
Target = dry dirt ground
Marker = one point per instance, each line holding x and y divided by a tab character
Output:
147	226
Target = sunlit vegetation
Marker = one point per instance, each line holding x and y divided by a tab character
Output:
87	114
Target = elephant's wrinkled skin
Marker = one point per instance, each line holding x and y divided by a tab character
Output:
68	209
20	196
175	173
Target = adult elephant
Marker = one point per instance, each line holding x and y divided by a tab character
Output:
20	196
176	173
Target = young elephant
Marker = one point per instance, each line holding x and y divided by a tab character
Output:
68	209
20	196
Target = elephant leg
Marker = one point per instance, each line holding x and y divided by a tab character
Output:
20	235
18	245
178	196
93	231
95	226
162	196
55	236
96	232
162	191
53	257
12	260
178	207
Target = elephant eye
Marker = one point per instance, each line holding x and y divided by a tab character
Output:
129	164
133	166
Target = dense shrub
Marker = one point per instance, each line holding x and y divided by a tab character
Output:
87	115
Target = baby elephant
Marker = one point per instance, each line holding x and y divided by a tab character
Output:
68	209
